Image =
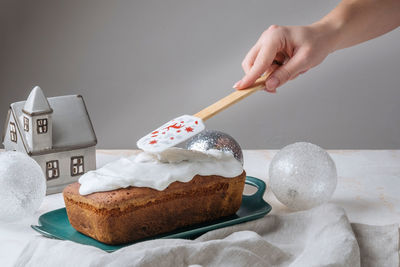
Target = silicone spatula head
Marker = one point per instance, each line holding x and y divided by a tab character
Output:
171	133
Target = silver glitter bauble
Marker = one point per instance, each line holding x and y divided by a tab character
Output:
302	176
211	139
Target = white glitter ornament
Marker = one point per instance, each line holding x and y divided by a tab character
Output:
302	176
22	186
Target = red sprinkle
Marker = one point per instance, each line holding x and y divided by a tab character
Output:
152	142
189	129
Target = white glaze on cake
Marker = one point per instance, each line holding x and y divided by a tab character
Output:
159	170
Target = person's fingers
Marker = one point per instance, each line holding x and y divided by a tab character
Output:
281	58
264	59
294	66
248	61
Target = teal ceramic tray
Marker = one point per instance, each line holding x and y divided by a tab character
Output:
55	224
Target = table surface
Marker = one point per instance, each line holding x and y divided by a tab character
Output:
368	186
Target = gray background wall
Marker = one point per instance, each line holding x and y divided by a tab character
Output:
141	63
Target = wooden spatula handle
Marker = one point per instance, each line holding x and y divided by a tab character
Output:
232	98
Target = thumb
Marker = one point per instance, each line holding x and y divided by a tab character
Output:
288	71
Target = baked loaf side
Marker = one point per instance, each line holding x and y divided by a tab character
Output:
133	213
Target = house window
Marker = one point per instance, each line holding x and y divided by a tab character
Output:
52	169
77	166
13	132
41	126
26	124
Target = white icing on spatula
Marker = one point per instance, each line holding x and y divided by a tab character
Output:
171	133
182	128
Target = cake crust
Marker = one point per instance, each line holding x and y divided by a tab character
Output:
129	214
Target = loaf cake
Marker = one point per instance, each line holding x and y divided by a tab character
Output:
122	202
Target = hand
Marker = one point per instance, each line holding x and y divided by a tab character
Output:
298	48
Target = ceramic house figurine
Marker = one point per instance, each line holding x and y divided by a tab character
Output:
56	132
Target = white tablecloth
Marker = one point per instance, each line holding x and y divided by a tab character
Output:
322	236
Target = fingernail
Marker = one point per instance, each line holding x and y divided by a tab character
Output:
237	84
272	83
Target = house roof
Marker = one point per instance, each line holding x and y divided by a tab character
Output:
37	103
72	128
